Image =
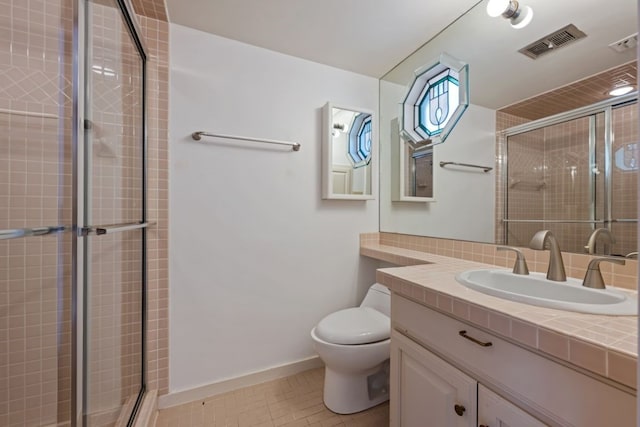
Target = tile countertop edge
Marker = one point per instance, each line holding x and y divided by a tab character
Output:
603	345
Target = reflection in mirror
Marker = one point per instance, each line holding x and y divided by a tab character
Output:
558	180
412	171
559	177
436	99
348	151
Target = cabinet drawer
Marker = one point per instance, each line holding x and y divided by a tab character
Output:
558	394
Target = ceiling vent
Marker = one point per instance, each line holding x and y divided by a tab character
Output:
553	42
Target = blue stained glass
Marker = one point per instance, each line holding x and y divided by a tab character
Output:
440	100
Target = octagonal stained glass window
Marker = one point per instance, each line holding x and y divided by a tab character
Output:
360	140
435	101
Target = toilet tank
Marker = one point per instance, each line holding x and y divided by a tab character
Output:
379	298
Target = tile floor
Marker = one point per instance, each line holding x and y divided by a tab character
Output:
292	402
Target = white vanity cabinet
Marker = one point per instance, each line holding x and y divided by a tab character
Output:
438	362
427	391
494	411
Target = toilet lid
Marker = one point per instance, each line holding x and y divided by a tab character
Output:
358	325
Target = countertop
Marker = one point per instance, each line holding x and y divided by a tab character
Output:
604	345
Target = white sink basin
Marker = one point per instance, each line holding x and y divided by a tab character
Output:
535	289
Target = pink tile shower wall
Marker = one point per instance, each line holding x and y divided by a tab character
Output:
35	189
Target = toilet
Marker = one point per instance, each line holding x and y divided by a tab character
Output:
354	345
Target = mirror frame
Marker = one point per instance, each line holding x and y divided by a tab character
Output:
327	154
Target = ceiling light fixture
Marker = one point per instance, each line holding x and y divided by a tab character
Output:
621	90
520	16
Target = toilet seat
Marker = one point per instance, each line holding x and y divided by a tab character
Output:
353	326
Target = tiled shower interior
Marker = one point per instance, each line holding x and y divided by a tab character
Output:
36	190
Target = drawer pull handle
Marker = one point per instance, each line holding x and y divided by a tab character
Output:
459	409
480	343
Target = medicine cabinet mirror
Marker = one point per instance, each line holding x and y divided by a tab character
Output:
348	153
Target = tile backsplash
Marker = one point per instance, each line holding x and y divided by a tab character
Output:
623	276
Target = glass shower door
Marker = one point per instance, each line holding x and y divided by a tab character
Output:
624	178
114	207
551	182
36	201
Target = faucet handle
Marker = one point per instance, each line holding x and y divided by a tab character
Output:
520	266
593	277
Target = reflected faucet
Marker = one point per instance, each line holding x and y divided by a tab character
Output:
545	239
607	238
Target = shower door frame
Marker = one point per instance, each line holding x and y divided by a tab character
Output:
606	107
79	180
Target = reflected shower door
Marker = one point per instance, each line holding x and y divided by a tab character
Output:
553	182
114	267
624	178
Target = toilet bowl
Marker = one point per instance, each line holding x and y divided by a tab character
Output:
354	345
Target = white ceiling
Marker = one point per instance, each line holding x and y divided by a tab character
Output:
365	36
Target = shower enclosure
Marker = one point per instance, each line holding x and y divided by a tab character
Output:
573	173
73	213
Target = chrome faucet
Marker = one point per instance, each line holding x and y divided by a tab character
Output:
593	277
607	238
543	240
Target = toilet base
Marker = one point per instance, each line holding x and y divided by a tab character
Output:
351	393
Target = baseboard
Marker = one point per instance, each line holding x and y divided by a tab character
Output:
186	396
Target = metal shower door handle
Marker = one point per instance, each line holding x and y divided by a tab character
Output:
114	228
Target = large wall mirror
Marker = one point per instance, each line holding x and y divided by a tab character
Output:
573	174
348	153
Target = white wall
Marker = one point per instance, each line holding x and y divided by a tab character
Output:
256	257
461	194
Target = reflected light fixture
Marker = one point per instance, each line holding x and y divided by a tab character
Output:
520	16
621	90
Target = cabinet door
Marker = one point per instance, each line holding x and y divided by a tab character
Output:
494	411
427	391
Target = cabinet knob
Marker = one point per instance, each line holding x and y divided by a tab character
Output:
459	409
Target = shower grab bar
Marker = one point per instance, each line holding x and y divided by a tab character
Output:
558	221
114	228
198	136
16	233
624	220
466	165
